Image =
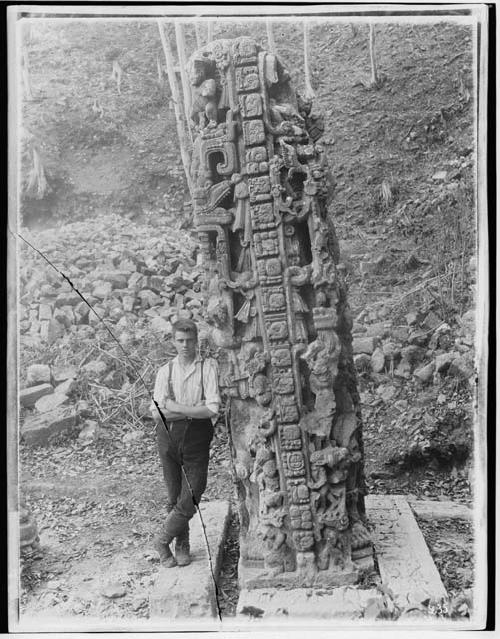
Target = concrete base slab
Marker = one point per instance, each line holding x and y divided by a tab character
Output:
189	591
404	561
405	564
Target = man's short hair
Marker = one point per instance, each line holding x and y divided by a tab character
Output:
185	326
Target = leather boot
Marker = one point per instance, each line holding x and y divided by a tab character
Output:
161	544
182	549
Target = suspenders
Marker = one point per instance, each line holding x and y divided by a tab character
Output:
171	386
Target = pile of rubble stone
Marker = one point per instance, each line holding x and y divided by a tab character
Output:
427	348
123	270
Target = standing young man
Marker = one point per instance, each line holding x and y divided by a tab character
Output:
187	393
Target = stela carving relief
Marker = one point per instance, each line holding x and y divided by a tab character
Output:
278	320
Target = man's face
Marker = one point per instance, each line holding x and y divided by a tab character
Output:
185	344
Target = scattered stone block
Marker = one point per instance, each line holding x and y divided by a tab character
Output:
411	319
418	338
444	360
363	345
102	290
133	436
160	325
440	176
432	321
378	330
189	591
61	374
425	373
67	387
29	396
460	368
431	510
51	330
405	563
386	392
44	312
39	430
378	360
50	402
89	433
38	374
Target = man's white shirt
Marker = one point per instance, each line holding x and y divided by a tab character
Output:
186	384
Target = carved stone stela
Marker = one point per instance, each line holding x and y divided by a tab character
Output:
279	320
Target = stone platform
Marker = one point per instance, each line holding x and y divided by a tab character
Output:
189	592
405	565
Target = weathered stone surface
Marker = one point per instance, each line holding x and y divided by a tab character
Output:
188	591
460	368
363	345
404	561
95	368
38	374
40	429
50	402
344	602
67	387
51	330
274	299
160	325
28	396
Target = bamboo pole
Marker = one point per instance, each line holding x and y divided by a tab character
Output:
309	92
270	37
210	31
186	91
179	118
372	56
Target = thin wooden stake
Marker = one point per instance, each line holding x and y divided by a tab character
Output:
270	37
309	92
179	117
372	56
210	31
199	37
186	91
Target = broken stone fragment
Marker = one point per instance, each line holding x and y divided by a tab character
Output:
363	345
411	319
113	591
81	312
378	360
51	330
29	396
160	325
102	290
460	368
128	303
62	373
50	402
425	373
44	312
440	176
444	360
67	299
64	316
41	429
67	387
89	433
378	330
149	299
418	337
37	374
432	321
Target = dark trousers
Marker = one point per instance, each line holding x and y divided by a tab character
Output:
187	443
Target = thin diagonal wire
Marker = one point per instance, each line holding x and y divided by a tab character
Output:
162	416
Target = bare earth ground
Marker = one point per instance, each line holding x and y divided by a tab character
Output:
98	505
